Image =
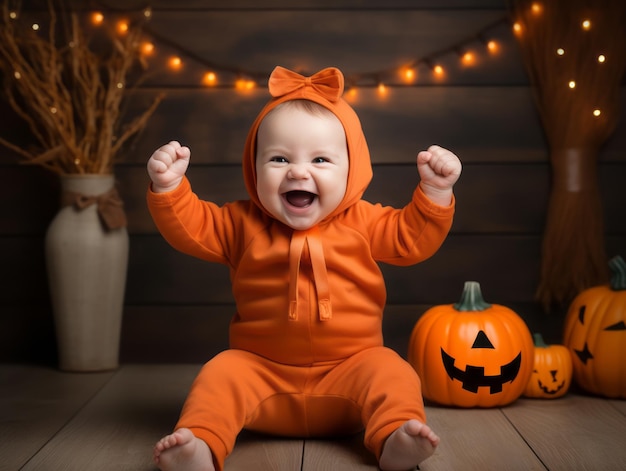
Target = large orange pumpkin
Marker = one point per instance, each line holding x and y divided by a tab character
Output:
552	371
471	354
595	334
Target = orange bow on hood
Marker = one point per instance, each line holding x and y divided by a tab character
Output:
325	88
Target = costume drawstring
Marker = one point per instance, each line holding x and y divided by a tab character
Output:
295	253
320	274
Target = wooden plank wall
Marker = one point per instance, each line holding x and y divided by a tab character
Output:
177	308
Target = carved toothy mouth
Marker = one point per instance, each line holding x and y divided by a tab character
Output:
474	376
547	390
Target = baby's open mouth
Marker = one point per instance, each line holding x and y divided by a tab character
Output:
300	199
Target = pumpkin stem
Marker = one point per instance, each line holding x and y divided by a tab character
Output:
471	298
618	273
539	342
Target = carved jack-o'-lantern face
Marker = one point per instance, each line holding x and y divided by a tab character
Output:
552	371
550	385
474	377
595	334
471	354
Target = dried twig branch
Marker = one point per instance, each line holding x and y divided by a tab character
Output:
68	88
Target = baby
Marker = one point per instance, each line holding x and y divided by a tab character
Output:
306	356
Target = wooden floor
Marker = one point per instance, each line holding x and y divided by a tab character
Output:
109	421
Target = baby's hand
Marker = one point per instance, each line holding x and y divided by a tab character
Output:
439	170
167	166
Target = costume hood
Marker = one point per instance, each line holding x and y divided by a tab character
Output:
324	88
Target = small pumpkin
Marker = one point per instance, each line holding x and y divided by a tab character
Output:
552	371
472	353
595	334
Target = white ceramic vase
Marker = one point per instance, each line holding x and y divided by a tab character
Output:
87	267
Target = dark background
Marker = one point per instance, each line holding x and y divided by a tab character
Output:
178	308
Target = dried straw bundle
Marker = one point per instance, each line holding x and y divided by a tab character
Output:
577	121
69	88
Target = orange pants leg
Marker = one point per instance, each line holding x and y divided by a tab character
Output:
226	395
237	390
384	386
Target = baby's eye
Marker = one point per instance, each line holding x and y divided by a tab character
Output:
279	159
320	160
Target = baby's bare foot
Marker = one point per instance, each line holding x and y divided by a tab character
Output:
182	451
408	446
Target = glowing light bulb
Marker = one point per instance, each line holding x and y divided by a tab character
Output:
468	58
120	85
586	24
597	112
382	90
122	26
147	13
53	110
571	84
517	28
536	8
13	15
492	46
35	27
175	63
210	79
438	70
97	18
147	48
601	58
408	74
560	51
244	84
17	75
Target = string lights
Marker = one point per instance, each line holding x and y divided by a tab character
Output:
244	80
537	10
426	69
409	74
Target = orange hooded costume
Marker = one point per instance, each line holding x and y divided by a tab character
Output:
307	355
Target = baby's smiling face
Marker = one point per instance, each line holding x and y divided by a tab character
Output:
301	165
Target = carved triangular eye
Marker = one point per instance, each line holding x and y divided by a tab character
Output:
617	326
581	314
481	341
584	355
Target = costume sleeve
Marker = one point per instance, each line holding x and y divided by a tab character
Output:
412	234
190	225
